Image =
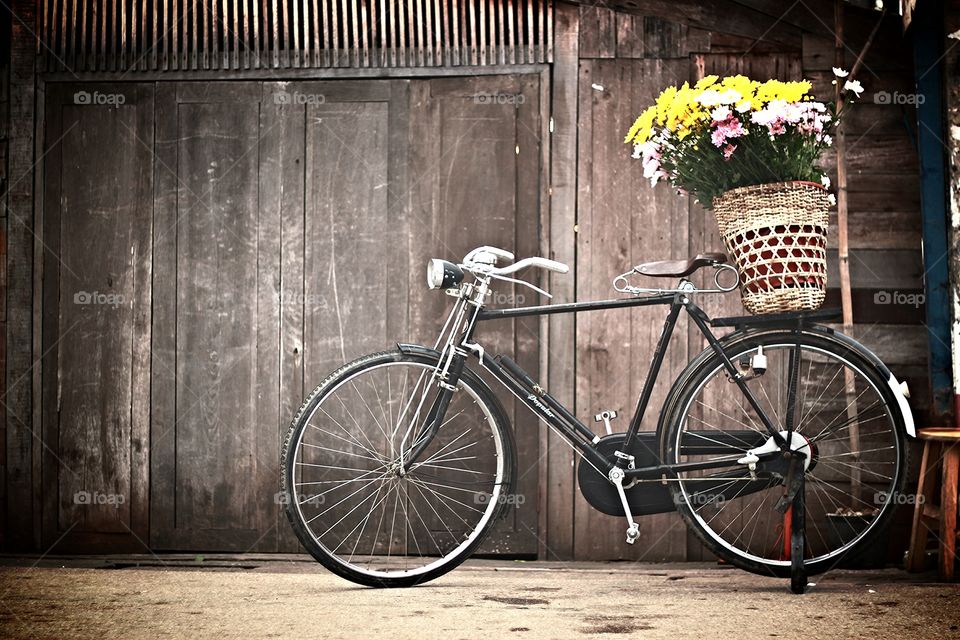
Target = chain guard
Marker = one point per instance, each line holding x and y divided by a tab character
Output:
645	498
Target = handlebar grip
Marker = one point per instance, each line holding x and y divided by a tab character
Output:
543	263
553	265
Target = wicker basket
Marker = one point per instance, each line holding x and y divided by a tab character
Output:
777	235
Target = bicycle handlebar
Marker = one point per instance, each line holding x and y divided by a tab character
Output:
486	257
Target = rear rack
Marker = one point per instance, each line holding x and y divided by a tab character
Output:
788	319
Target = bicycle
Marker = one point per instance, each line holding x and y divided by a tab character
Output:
398	463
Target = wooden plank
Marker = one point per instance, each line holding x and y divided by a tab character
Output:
815	16
444	222
471	36
255	26
215	35
95	478
281	189
418	6
294	29
557	520
879	269
327	36
721	42
777	66
143	196
163	412
50	322
663	38
598	33
279	222
866	310
343	139
898	82
870	229
630	35
156	39
217	258
818	55
720	16
219	469
22	519
527	182
894	344
876	154
530	38
275	41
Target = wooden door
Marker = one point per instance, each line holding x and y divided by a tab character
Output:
271	232
215	324
96	315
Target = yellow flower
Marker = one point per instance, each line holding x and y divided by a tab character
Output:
641	129
705	82
685	110
786	91
664	102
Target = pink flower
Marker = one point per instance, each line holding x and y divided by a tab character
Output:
728	150
729	128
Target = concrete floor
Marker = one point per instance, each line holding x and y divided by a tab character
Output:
289	596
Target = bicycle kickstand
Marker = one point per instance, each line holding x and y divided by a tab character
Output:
798	572
633	529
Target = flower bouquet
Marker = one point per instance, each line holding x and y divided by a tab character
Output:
750	151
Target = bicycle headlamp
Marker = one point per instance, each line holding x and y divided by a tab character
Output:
442	274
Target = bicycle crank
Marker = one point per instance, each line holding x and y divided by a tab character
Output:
633	529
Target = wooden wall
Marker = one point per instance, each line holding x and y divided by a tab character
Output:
625	58
602	218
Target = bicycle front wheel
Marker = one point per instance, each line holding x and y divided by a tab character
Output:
845	418
348	503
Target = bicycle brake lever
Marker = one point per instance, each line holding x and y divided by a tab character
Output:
523	282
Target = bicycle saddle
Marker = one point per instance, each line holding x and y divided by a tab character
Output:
679	268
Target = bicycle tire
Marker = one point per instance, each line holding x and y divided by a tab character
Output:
423	358
707	365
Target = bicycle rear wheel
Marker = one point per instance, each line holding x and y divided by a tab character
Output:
347	502
846	418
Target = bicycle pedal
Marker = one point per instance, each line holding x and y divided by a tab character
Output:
606	417
633	533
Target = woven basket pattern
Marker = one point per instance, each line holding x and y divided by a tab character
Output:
777	235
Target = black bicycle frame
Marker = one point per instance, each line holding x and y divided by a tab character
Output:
551	411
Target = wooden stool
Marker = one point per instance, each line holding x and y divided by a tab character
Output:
941	449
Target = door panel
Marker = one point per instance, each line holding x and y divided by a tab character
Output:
96	316
215	466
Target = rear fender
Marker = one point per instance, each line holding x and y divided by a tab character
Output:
814	329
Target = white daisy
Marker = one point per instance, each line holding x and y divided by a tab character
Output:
853	85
